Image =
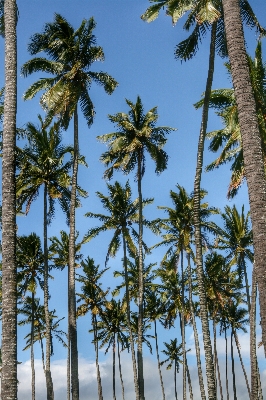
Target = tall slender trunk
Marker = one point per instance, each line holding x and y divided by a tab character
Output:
49	382
247	287
120	370
141	284
251	143
216	359
255	374
158	359
114	397
241	362
68	348
99	381
189	382
32	349
233	366
183	328
9	293
71	286
175	380
128	321
226	363
195	331
200	274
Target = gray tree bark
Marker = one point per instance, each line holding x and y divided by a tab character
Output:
251	143
9	284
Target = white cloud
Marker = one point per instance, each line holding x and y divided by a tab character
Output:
88	380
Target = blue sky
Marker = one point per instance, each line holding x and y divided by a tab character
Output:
140	57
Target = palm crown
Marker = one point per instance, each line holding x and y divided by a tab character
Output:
71	54
136	132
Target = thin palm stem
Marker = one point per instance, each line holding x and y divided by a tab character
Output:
32	349
141	285
72	294
242	364
195	331
49	382
129	323
120	370
158	359
197	223
233	366
114	396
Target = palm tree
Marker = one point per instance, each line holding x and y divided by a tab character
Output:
154	310
137	133
123	212
179	232
42	164
29	257
228	139
111	328
251	142
93	297
173	353
71	54
236	238
59	255
202	15
9	299
40	325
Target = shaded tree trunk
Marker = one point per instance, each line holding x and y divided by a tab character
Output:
233	366
32	349
158	359
255	374
49	382
198	240
189	382
141	285
216	363
226	363
183	328
120	370
241	362
129	323
99	381
114	397
175	380
72	292
251	144
9	284
195	331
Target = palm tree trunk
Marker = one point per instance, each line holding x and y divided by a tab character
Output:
158	359
242	364
32	349
251	143
49	382
99	381
9	293
226	363
183	328
114	397
72	292
216	359
141	285
233	367
120	370
200	274
68	367
255	375
189	382
196	336
129	323
175	380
